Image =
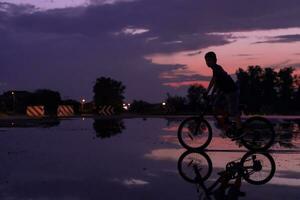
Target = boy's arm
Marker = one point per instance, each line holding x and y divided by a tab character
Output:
211	84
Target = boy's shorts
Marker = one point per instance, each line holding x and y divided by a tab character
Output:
228	102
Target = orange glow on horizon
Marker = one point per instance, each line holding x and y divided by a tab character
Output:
186	83
245	49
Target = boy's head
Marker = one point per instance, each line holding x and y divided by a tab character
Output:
211	59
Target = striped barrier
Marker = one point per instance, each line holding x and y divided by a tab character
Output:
35	111
65	111
106	110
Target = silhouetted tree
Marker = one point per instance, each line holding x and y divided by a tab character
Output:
285	89
243	82
269	93
296	100
16	101
175	103
140	107
255	88
48	98
106	128
109	92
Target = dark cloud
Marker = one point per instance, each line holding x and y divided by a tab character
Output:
101	2
282	39
170	18
67	49
181	73
13	10
244	55
194	53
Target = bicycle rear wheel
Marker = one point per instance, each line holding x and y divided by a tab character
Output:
190	160
194	133
259	167
258	134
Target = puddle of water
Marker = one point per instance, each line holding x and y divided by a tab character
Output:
125	159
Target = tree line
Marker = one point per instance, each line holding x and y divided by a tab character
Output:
17	101
106	92
262	91
269	91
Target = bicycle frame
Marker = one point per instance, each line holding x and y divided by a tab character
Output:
208	190
207	103
225	176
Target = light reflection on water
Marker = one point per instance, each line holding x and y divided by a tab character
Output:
287	133
126	158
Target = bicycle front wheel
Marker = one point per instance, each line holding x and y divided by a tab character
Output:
259	167
258	134
190	161
194	133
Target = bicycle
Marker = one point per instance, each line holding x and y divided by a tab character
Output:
250	167
195	133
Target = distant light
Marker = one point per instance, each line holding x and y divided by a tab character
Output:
83	100
125	107
164	103
124	104
12	93
128	104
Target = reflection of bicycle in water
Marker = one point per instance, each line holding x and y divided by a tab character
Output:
255	167
195	133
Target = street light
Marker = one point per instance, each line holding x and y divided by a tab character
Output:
125	106
82	103
14	100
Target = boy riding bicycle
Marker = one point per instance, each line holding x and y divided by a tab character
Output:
225	93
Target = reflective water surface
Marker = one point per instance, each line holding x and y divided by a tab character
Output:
127	159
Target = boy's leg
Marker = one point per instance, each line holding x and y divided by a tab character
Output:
220	112
238	121
222	117
233	108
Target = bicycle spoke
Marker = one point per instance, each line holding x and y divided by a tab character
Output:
191	137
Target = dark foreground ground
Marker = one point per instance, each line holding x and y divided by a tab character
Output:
86	158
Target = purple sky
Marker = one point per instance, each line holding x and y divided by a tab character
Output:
152	46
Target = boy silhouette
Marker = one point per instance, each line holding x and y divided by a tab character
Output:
225	91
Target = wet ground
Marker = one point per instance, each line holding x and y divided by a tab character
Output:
126	159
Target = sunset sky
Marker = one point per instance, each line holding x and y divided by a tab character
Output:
152	46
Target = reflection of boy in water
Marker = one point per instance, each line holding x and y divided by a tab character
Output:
233	190
225	91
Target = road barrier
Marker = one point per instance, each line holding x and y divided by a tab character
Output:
106	110
65	111
35	111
